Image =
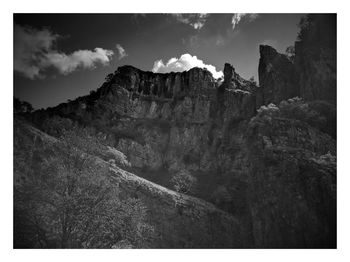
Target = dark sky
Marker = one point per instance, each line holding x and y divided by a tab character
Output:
55	57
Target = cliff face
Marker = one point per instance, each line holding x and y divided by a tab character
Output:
312	74
292	147
171	121
291	178
315	58
277	77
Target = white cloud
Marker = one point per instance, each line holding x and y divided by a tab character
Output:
197	21
236	18
34	53
121	52
66	64
184	63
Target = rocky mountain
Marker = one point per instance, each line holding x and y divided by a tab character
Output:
263	158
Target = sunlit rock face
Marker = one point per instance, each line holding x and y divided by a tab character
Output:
166	118
170	85
172	121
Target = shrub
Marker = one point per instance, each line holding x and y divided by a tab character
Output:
117	157
56	125
290	53
184	182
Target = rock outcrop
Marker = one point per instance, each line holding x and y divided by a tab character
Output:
312	73
292	179
163	120
277	77
316	58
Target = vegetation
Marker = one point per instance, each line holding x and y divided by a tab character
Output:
109	77
296	108
184	182
55	125
252	79
21	106
65	199
290	53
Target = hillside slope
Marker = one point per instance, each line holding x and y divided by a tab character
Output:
181	221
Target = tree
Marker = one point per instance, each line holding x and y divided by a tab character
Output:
68	200
184	182
290	53
56	125
109	77
20	107
252	80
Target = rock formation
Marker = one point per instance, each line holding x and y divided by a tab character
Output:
268	167
277	76
265	156
177	111
312	74
315	59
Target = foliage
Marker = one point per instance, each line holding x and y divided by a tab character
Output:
252	80
328	158
290	53
21	106
265	113
318	114
55	125
85	138
293	108
109	77
184	182
68	201
304	26
297	108
117	157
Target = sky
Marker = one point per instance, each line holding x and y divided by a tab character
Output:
62	56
